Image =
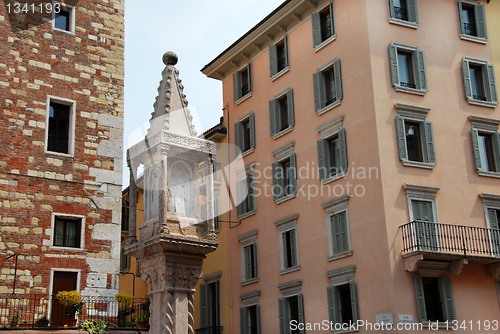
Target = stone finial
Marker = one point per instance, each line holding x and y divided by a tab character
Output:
170	58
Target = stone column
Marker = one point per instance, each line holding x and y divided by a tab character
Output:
164	195
132	200
210	196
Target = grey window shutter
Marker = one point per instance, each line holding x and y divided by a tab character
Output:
344	235
430	149
249	72
400	130
496	149
419	293
283	321
354	306
236	86
492	215
240	197
323	165
343	150
248	262
495	234
254	260
252	129
393	55
293	247
492	84
422	73
285	246
273	59
293	165
319	95
316	29
238	137
336	233
475	146
391	8
273	120
460	18
290	111
447	298
338	79
412	11
466	75
300	300
243	321
251	197
204	316
426	232
480	21
332	17
331	293
285	50
277	184
257	307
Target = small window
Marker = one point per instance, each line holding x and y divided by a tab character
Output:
486	150
415	142
479	82
242	83
472	21
341	296
281	113
67	232
291	309
434	299
285	177
245	194
60	126
278	56
249	319
210	308
289	249
63	17
332	156
124	261
244	132
404	10
408	70
340	233
323	25
250	262
125	215
327	87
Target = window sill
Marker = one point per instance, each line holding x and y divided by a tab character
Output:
340	256
325	43
329	107
488	173
247	214
72	33
334	178
244	98
403	23
73	249
289	270
286	198
418	164
280	73
410	90
482	103
247	152
473	39
283	132
250	281
69	155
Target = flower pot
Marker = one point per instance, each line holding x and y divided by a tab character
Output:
143	324
13	323
71	322
26	325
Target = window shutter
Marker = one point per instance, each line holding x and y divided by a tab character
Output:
344	233
293	165
284	245
492	84
273	59
495	138
419	292
422	73
251	198
393	54
400	130
336	233
257	310
283	321
243	321
429	142
316	29
391	8
412	11
254	260
495	235
285	50
248	262
354	306
477	151
300	301
240	197
447	298
236	86
461	18
332	312
492	215
249	72
277	175
323	159
319	99
291	112
293	247
332	17
273	105
252	130
238	138
204	316
480	21
466	75
337	79
343	150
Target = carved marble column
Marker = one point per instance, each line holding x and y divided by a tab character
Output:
164	192
132	204
210	196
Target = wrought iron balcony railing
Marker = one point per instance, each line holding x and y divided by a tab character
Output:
245	89
479	97
419	236
327	32
209	330
204	171
470	29
327	103
408	85
400	13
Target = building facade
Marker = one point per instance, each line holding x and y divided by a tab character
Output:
369	134
61	87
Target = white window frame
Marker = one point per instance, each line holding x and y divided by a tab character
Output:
53	230
410	49
247	239
72	122
68	8
489	126
482	64
404	23
327	131
284	225
471	38
242	174
333	207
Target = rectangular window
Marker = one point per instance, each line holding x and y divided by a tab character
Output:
342	306
59	125
124	261
479	82
289	249
281	112
210	308
408	70
494	224
339	233
278	56
323	25
125	215
285	177
404	10
327	87
244	133
291	309
250	262
64	19
476	83
472	19
426	230
249	319
245	195
415	142
400	10
242	83
216	214
486	150
67	232
434	299
332	155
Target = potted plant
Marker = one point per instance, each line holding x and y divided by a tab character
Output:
43	321
72	301
143	320
94	326
14	321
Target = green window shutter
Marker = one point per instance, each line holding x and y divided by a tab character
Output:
343	150
252	129
323	165
412	11
419	293
204	296
495	235
336	233
277	176
273	59
290	111
393	54
254	260
496	149
460	18
344	235
251	197
422	73
300	300
319	95
477	151
238	137
285	50
480	21
422	211
240	197
331	292
283	321
354	306
248	262
316	29
492	86
400	130
332	17
243	321
447	298
293	165
236	86
391	8
284	250
466	75
430	149
293	247
257	307
249	72
426	233
273	120
492	214
337	80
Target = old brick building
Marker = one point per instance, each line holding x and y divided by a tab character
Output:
61	120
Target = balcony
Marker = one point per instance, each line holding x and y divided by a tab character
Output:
453	245
205	170
209	330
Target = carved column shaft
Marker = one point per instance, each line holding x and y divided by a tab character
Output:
132	212
163	187
210	196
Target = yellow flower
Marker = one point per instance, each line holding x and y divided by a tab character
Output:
69	298
65	326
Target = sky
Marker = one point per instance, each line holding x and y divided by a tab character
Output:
197	31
